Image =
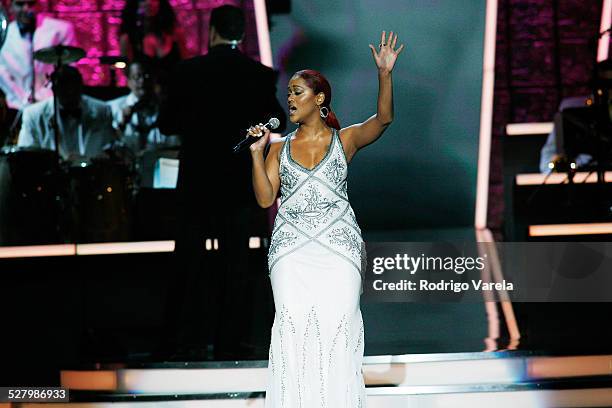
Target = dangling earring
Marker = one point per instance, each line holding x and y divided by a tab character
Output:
323	111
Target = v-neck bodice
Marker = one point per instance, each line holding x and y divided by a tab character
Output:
315	206
329	148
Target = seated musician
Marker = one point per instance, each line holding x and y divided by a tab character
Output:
29	32
84	123
135	115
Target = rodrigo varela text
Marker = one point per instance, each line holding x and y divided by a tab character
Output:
442	285
413	264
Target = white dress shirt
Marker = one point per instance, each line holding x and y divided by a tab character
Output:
16	59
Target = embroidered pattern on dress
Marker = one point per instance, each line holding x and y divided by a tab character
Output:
271	360
351	215
334	170
341	328
281	332
321	378
342	190
360	336
346	238
289	179
313	206
314	210
281	239
312	320
303	368
284	326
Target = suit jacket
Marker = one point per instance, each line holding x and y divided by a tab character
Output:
15	55
96	119
212	100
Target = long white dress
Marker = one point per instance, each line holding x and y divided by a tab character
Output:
315	261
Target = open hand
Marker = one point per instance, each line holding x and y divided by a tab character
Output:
386	56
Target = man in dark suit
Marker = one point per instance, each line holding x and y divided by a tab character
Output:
212	101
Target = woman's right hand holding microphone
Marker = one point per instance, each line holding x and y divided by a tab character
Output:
263	134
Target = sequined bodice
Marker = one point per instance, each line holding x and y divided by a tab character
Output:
314	206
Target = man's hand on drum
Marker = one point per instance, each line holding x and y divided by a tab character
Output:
262	133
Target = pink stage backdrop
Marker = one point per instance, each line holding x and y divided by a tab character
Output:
97	23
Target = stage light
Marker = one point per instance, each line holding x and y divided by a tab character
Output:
603	48
486	116
254	242
522	129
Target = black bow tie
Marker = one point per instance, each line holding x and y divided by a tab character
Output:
26	29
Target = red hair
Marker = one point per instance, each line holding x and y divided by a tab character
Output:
318	83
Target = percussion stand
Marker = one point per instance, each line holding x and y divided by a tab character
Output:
63	225
56	135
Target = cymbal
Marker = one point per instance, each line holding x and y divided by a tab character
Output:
57	54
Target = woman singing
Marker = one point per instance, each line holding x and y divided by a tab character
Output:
315	255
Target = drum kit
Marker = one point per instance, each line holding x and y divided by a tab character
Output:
45	200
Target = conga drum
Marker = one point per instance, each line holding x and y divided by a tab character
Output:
30	197
101	200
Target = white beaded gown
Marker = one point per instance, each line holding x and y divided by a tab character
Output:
315	260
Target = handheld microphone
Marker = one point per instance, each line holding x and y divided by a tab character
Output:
272	124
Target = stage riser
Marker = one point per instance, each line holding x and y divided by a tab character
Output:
429	373
523	399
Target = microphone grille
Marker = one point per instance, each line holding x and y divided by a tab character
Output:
274	123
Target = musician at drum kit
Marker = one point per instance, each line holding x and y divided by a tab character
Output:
22	78
135	115
135	121
84	123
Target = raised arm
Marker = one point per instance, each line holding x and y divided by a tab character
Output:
266	179
362	134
